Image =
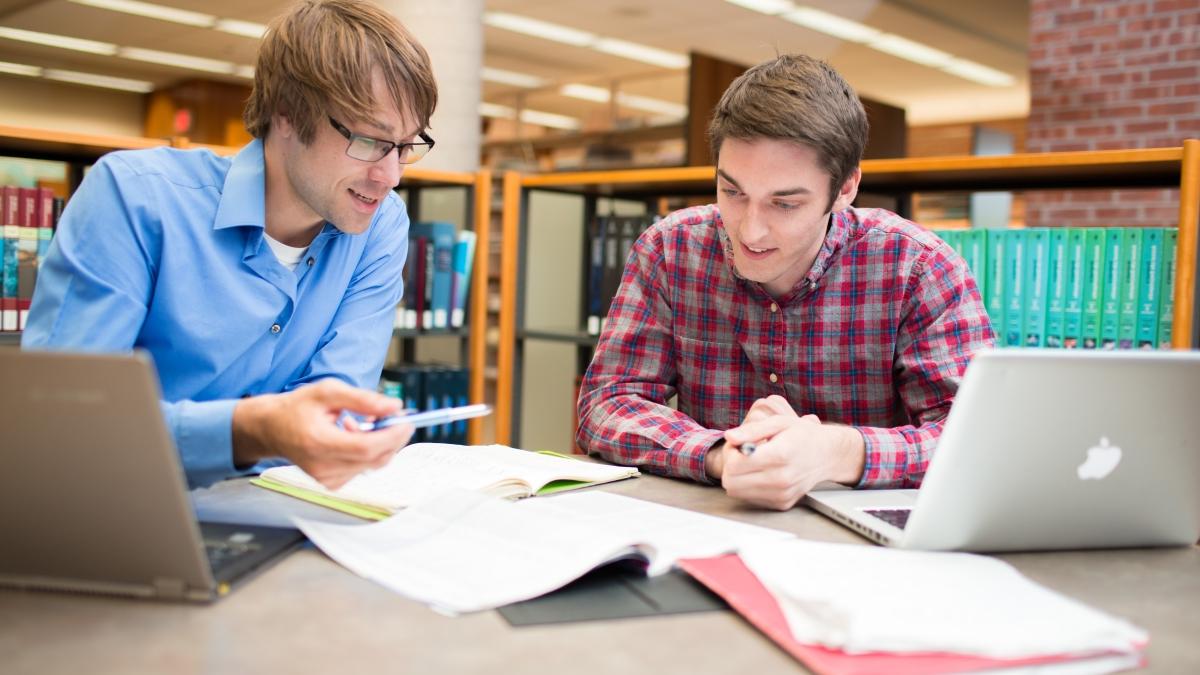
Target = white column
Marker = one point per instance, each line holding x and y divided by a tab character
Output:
452	32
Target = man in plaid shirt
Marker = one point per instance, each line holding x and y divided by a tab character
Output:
832	338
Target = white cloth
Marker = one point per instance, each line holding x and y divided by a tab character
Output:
288	256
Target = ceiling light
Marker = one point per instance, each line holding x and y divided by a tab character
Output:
643	53
586	92
495	110
139	86
546	119
509	77
244	71
910	51
654	105
765	6
541	29
243	28
62	41
20	69
177	60
146	9
646	103
831	24
977	72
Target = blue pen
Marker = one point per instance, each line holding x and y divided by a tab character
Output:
425	419
748	449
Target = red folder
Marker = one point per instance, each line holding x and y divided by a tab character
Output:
728	577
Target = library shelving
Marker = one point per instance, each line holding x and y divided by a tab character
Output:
1170	167
78	151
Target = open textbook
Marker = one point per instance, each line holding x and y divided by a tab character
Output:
463	551
424	469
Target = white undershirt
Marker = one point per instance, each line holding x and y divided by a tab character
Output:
288	256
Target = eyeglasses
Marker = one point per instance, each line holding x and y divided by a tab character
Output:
370	149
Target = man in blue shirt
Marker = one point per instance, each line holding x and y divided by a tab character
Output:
263	285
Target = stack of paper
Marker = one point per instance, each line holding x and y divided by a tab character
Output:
869	599
463	551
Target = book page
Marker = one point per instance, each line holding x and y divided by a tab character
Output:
424	469
462	551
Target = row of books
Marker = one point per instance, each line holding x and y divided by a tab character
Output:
29	218
428	387
437	277
1088	288
609	240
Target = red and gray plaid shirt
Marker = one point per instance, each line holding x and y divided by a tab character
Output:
876	336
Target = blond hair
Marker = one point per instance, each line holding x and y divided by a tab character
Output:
797	98
318	59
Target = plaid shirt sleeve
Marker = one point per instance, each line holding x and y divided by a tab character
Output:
943	326
623	411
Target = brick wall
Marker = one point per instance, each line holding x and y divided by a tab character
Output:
1111	74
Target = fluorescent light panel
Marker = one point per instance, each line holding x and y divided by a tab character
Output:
177	60
539	29
889	43
545	119
243	28
94	80
601	95
20	69
579	38
500	76
90	79
61	41
152	11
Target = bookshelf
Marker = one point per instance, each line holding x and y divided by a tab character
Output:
1172	167
81	150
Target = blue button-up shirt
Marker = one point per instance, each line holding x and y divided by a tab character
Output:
163	250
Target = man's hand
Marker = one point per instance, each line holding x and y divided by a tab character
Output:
792	456
302	426
763	408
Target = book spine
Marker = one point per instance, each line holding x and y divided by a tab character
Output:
1014	288
612	266
1149	292
443	272
975	253
464	263
1073	304
1037	259
10	233
1093	286
26	253
595	269
1130	280
1166	285
1110	304
994	285
1056	301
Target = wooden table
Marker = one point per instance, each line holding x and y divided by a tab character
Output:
309	615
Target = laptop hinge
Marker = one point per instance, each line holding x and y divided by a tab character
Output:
171	589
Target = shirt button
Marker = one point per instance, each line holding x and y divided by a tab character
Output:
275	328
774	378
311	260
774	308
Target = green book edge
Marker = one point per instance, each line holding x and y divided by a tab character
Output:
374	513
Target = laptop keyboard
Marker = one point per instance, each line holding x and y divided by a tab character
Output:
897	517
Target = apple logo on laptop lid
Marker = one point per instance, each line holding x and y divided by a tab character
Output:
1101	460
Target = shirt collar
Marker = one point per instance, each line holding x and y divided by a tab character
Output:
836	234
244	194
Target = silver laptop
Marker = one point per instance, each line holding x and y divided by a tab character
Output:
92	494
1047	450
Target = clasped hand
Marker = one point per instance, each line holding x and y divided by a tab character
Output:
793	454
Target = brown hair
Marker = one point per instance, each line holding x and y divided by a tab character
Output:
317	60
796	98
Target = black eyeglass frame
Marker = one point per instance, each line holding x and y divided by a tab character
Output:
427	142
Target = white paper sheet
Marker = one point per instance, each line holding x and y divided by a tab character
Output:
866	598
461	551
